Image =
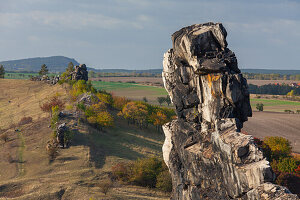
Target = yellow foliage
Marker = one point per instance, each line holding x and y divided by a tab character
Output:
106	98
104	119
135	110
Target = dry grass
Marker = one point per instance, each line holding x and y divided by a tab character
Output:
77	170
4	137
105	186
22	98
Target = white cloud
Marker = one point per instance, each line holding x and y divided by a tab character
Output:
69	20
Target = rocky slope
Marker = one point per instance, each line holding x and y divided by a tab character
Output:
206	154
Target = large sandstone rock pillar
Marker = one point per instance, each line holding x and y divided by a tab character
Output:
207	156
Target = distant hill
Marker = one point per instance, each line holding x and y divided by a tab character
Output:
54	64
271	71
59	64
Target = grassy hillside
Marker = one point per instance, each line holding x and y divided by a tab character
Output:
76	173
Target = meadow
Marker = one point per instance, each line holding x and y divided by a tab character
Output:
276	105
132	91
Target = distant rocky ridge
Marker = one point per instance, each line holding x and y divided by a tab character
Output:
207	155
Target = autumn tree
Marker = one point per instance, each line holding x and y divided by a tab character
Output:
44	70
97	114
291	93
158	119
136	112
279	146
2	71
119	102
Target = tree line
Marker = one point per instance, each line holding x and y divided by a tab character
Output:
295	77
273	89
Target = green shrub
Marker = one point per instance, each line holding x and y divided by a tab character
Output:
148	172
287	165
260	107
81	106
164	181
122	171
145	171
55	117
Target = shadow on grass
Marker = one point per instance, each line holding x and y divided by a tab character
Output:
125	142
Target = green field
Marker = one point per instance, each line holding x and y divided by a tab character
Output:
16	75
132	90
274	102
276	105
115	86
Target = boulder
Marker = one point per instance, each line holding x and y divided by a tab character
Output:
88	99
207	155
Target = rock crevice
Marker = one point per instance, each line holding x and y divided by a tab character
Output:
207	155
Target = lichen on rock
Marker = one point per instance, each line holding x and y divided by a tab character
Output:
207	155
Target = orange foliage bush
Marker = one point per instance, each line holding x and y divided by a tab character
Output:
52	102
119	102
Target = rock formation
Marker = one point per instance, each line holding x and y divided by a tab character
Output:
206	154
80	73
61	131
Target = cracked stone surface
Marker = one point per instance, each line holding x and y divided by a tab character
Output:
207	155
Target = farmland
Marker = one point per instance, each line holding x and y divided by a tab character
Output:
158	80
263	124
276	105
137	92
20	75
131	90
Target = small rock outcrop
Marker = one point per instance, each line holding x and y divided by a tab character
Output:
80	73
87	99
207	155
61	131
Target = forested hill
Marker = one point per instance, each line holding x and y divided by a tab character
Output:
54	64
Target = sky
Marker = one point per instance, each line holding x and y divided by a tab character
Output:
134	34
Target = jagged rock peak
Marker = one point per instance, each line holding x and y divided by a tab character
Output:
80	73
207	156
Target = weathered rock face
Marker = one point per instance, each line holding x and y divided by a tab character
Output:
206	154
80	73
